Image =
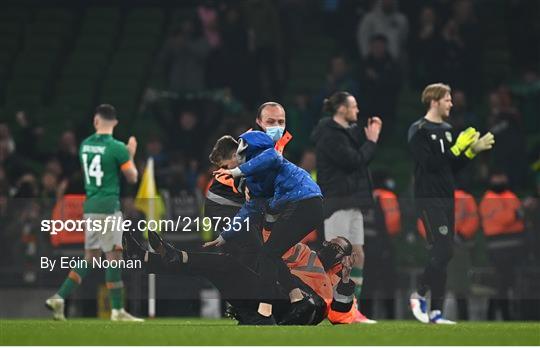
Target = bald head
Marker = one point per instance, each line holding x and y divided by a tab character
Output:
270	114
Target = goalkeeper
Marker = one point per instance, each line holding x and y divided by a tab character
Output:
437	159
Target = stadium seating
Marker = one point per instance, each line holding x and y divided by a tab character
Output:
86	64
131	63
44	38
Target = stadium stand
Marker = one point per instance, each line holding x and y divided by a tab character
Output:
59	60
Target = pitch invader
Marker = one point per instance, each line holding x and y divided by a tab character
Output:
103	159
437	159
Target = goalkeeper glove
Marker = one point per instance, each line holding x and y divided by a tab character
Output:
464	140
484	143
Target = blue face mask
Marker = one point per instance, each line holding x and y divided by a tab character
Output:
275	132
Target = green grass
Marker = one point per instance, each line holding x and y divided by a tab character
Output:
225	332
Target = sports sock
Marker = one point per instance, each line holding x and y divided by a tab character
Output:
73	280
357	275
113	277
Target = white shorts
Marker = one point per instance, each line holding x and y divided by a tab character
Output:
108	236
347	223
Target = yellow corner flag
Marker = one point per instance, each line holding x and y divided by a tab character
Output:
148	199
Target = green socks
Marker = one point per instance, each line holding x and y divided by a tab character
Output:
357	275
113	277
73	280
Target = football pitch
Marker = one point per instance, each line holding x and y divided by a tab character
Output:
226	332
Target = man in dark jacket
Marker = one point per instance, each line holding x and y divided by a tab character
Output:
342	173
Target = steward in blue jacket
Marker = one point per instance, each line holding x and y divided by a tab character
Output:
269	175
294	201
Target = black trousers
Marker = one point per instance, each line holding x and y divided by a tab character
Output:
246	245
240	285
234	280
294	221
439	224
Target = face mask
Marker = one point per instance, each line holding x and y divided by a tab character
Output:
275	132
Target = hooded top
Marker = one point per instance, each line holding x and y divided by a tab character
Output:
269	175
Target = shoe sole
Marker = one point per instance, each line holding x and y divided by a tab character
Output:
434	323
127	321
51	308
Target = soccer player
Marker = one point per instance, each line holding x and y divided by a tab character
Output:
343	174
437	159
103	159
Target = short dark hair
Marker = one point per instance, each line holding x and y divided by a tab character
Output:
336	100
106	111
271	103
223	149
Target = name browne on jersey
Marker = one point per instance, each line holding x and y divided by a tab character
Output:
93	149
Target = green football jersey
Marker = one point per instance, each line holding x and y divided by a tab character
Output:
101	158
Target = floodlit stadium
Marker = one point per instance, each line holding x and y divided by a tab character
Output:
270	172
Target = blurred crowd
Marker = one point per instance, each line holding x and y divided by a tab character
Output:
225	58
